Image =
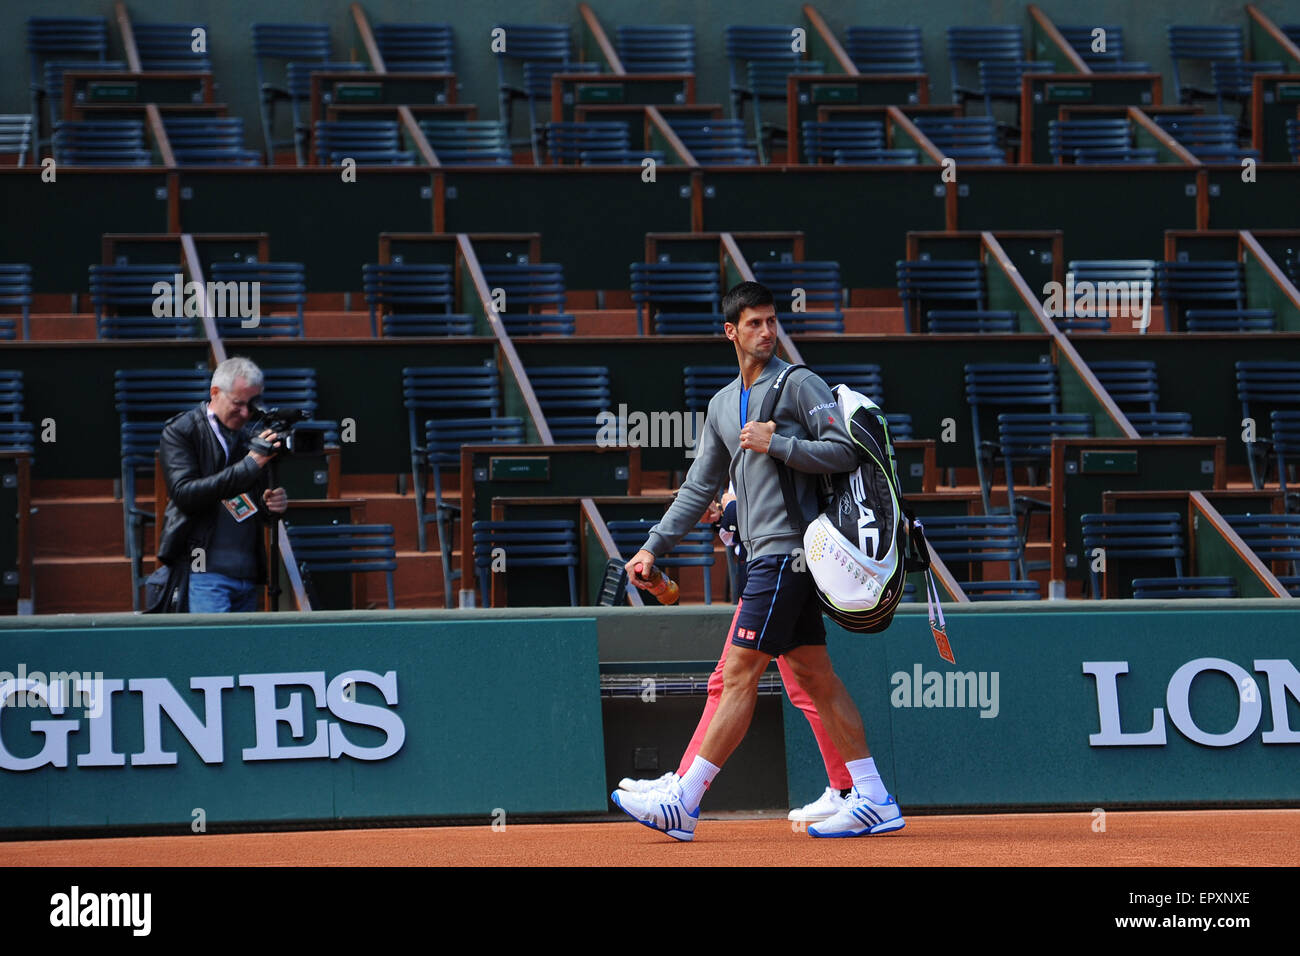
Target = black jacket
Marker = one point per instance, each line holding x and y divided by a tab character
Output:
193	466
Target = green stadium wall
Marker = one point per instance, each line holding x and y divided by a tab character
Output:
483	701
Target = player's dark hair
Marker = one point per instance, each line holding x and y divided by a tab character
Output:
746	295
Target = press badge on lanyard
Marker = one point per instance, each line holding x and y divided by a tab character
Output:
241	507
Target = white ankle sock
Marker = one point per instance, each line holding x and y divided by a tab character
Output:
696	781
866	780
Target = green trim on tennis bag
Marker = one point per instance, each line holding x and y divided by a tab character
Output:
857	549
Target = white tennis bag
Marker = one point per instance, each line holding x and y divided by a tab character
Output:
862	545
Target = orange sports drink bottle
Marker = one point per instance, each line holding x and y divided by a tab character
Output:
662	587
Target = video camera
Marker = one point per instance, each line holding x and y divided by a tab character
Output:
298	435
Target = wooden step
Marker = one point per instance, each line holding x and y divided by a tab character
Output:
83	585
81	527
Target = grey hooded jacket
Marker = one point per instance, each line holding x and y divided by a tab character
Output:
809	438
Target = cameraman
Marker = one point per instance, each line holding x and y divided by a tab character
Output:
218	492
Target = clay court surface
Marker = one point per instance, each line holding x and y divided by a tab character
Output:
1174	838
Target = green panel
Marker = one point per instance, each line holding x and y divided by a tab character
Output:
1045	49
859	218
1004	296
1077	398
1262	292
1166	467
585	472
902	139
1144	202
1032	257
394	89
1264	47
141	88
1036	751
374	399
1216	557
608	89
1045	102
1145	139
1271	202
1101	462
73	385
573	210
522	703
311	215
67	217
911	468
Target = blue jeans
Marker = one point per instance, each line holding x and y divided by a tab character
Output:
212	593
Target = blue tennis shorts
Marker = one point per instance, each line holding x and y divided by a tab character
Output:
779	609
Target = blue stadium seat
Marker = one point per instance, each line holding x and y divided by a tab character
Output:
439	401
368	143
145	400
209	141
468	142
1202	44
1266	387
886	49
963	542
1146	535
539	50
81	41
972	320
525	544
1273	538
566	142
968	46
16	293
823	294
661	48
950	283
1109	59
278	283
714	142
101	143
355	549
124	300
694	550
1168	589
530	288
275	47
973	138
413	299
416	47
571	398
16	137
821	140
170	47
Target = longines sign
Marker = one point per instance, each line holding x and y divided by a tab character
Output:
326	739
1282	679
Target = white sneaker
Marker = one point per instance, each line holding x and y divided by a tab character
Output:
645	786
861	817
659	810
823	808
